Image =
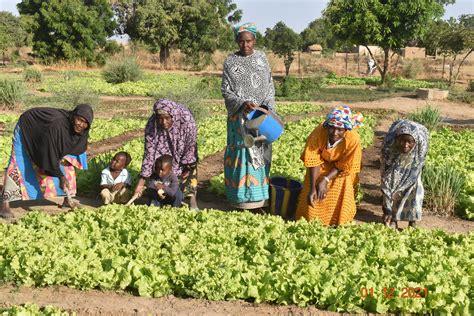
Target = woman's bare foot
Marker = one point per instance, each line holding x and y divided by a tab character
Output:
69	203
193	202
5	212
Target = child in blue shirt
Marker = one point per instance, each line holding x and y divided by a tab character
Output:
116	180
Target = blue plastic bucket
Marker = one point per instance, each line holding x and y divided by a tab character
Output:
284	194
271	126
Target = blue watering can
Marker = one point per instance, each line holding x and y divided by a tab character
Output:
266	126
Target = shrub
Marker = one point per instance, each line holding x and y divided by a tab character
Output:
11	93
69	74
112	47
428	116
298	89
411	68
75	95
32	75
470	86
119	72
443	185
192	97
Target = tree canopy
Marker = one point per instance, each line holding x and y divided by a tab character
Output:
196	27
318	32
389	24
68	29
283	41
12	33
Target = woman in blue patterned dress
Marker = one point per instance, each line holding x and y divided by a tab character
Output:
246	84
403	156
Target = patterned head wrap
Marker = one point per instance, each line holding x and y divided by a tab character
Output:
179	141
397	176
247	27
342	117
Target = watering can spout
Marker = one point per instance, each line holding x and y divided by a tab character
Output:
249	140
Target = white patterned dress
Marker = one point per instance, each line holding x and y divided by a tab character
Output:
246	78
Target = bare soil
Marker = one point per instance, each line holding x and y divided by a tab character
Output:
112	303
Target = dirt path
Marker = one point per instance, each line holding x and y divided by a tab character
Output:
94	302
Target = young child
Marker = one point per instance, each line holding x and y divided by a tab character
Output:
163	185
116	181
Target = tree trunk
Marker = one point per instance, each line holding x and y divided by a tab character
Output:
451	67
287	61
460	64
164	54
444	63
346	63
386	63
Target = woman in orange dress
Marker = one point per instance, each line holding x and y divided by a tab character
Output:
332	157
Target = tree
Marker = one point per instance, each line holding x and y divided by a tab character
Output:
283	41
456	39
390	24
318	32
197	27
68	29
12	33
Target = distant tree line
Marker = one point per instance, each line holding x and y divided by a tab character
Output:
78	29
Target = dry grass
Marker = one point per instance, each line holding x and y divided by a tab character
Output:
304	64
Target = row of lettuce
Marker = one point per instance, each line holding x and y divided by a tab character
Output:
33	310
217	255
153	84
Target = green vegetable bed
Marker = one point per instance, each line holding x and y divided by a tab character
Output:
225	256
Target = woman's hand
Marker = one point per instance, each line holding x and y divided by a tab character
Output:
185	174
139	188
322	189
249	106
312	195
63	183
159	186
396	196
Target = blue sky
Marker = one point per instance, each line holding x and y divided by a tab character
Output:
295	13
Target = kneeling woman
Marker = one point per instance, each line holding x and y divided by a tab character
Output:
48	144
403	157
332	158
171	130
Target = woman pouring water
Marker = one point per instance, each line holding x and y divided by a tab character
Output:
246	84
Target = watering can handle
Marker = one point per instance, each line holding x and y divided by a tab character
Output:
267	112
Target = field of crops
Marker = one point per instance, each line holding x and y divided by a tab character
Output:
225	256
218	255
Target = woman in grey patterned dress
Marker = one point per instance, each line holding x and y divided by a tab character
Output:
403	157
246	84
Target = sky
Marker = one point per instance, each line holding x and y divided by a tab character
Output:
296	14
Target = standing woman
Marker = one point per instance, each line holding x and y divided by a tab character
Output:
171	130
403	157
332	158
47	145
246	84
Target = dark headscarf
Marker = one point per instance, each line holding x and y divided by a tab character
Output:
48	135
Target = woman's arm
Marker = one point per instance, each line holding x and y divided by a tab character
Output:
139	188
324	182
313	175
